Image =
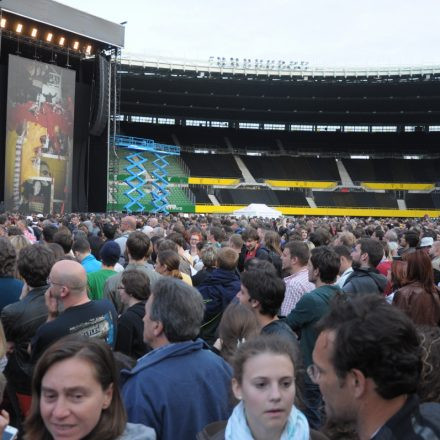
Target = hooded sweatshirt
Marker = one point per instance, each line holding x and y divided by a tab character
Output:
218	290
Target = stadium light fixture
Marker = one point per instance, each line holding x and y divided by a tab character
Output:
89	49
61	41
76	45
3	23
49	37
34	32
19	28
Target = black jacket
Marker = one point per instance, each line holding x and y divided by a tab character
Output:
414	421
20	321
365	280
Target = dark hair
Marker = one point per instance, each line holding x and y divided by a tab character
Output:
81	245
138	245
250	234
100	358
260	265
300	250
177	238
320	237
374	250
179	307
57	250
272	344
8	258
412	238
265	287
227	258
14	230
327	261
64	239
238	324
217	233
109	231
34	264
343	251
136	284
376	338
48	233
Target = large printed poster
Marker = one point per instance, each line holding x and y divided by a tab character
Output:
39	137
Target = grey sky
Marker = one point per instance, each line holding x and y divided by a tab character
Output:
323	32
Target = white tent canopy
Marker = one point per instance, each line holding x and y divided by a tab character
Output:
257	210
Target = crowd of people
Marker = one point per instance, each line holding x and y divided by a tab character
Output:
217	327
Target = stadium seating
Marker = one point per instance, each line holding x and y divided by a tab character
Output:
393	170
422	201
200	194
267	196
291	168
211	165
354	199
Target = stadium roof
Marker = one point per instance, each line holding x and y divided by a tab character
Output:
243	67
70	19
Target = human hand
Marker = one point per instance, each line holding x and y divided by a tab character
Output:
4	420
51	304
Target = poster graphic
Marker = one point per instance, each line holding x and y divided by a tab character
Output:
39	137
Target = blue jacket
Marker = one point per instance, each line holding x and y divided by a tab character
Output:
91	264
218	290
178	389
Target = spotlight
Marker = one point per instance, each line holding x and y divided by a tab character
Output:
61	42
3	22
89	49
49	37
76	45
19	28
34	32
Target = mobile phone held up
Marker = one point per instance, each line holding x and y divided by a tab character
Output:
10	433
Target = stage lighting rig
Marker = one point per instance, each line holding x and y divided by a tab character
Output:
44	37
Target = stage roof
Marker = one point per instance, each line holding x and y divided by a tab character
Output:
69	19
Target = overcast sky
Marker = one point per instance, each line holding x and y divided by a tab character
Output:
322	32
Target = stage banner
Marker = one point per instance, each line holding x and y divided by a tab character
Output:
39	137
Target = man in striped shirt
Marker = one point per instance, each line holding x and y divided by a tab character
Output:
295	258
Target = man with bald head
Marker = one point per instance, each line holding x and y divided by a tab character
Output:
128	225
71	311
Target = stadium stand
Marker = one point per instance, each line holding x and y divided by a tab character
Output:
354	199
291	168
284	130
422	201
393	170
211	165
239	196
201	194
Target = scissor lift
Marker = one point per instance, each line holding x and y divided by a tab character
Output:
137	173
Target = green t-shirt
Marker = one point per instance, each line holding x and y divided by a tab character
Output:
96	281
